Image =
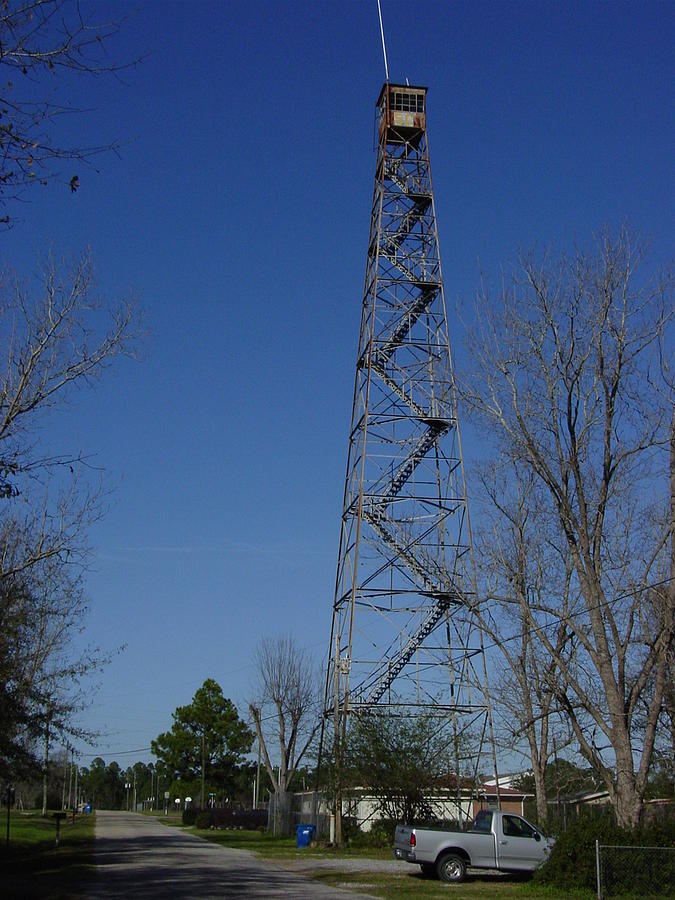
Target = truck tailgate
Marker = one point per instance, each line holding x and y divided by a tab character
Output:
402	846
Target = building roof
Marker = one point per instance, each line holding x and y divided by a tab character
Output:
580	797
400	87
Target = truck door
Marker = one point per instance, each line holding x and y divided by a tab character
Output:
520	846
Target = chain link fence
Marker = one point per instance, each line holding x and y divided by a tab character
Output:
624	871
285	813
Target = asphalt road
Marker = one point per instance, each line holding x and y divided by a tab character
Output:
138	856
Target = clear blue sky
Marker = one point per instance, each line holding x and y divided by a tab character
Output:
238	213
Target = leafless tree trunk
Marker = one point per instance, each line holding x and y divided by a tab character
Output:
568	378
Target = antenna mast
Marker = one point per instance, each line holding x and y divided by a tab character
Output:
384	49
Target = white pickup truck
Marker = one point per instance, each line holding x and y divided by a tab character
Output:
497	840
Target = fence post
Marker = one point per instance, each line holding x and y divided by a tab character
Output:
597	869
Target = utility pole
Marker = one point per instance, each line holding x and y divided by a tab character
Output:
257	780
45	764
9	806
65	775
203	764
70	779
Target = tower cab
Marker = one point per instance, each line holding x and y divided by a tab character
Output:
401	111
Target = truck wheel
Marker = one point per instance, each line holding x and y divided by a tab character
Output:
451	868
428	870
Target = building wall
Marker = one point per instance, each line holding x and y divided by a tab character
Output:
364	808
509	805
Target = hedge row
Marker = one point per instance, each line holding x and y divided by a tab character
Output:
250	819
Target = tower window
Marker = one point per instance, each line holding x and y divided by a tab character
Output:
405	102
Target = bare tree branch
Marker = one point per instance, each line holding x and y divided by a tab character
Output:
42	42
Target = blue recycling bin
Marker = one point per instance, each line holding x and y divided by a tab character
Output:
305	833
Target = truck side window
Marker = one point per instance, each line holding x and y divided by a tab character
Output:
515	827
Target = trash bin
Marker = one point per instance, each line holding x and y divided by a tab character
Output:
305	833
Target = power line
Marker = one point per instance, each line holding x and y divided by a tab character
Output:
109	752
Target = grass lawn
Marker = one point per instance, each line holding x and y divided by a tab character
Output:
408	882
279	848
171	819
32	866
412	885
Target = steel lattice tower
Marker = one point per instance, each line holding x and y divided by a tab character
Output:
404	638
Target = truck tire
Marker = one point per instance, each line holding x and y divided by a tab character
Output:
451	868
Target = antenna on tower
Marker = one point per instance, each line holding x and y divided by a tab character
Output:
384	49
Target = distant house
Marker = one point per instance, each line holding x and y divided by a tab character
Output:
595	801
507	779
659	808
360	805
583	800
510	799
569	806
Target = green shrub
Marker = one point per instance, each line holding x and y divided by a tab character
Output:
203	819
229	817
572	863
379	836
189	816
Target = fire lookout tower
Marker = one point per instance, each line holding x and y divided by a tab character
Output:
404	636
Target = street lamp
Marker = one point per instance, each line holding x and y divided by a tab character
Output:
127	785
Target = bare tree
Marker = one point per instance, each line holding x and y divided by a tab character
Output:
40	673
521	563
667	598
64	337
284	709
569	380
49	346
51	343
660	602
41	40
